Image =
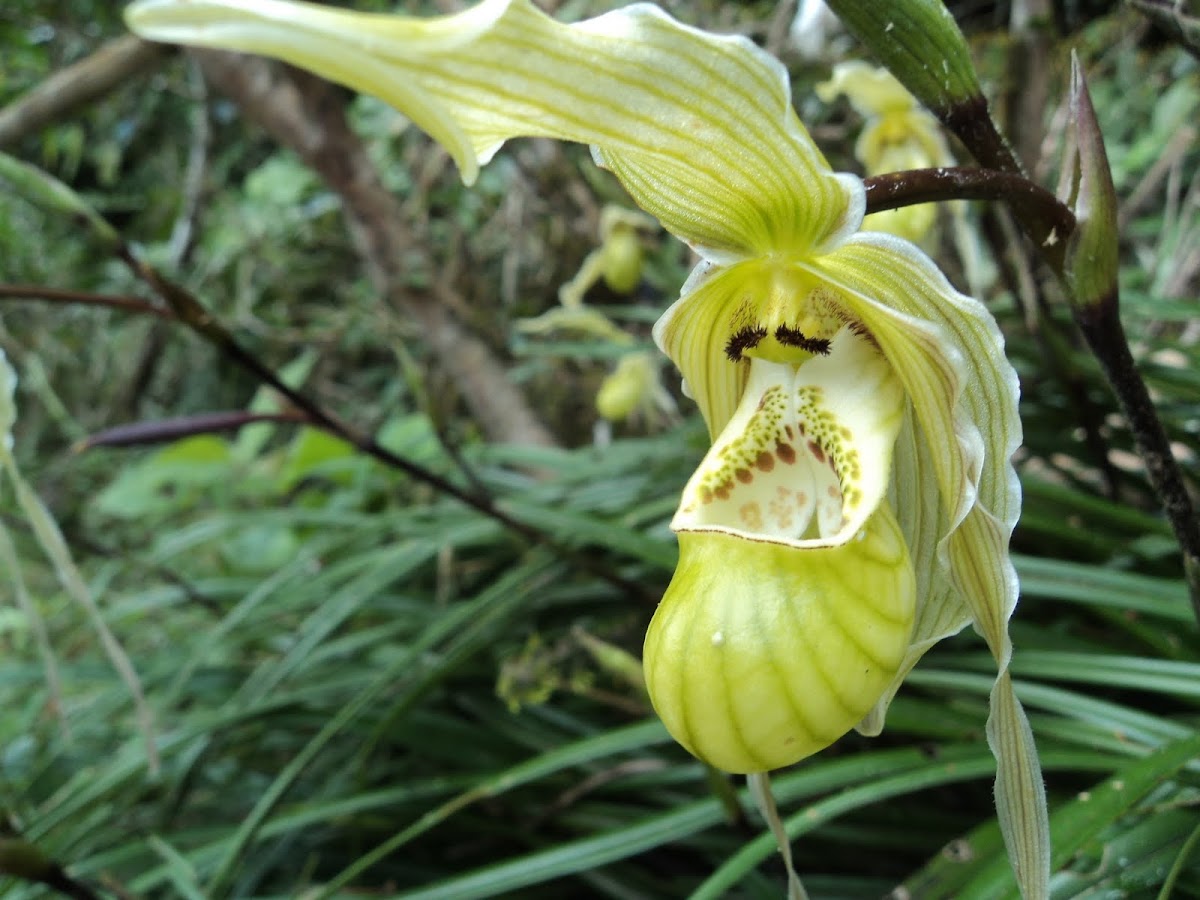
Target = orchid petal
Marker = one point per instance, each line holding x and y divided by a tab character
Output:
698	127
871	90
694	333
961	387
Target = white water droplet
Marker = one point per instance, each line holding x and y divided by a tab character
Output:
718	638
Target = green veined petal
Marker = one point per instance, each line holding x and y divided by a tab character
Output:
698	127
694	332
924	520
960	384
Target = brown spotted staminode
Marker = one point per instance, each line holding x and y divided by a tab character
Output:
791	470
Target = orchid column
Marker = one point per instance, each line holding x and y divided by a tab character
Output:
858	498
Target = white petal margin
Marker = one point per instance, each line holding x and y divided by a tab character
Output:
964	396
806	458
698	127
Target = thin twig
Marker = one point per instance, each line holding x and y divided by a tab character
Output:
159	431
1101	327
1051	221
83	298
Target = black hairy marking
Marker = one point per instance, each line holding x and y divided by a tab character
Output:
794	337
742	340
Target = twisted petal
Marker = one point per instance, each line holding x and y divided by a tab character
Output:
699	128
694	333
961	387
948	353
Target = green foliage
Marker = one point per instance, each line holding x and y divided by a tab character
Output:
361	687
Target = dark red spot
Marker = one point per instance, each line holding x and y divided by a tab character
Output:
815	449
788	431
705	495
786	452
722	492
765	461
744	476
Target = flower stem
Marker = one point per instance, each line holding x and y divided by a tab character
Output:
1101	328
1046	220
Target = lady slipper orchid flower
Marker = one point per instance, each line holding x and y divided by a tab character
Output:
856	504
633	390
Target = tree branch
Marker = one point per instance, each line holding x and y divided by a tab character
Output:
307	115
82	298
77	85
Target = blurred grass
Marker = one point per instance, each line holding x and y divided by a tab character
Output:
321	642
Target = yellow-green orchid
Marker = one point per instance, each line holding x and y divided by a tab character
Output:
633	390
857	502
897	135
618	259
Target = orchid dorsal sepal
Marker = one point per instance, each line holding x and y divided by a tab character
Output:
698	127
